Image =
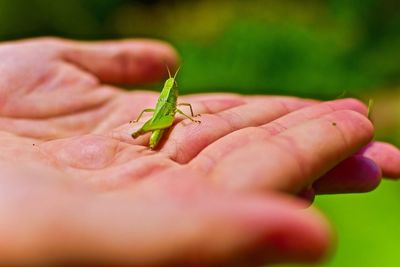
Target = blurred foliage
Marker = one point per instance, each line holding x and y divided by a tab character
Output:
311	48
367	226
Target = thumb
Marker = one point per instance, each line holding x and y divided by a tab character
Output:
219	230
123	62
280	230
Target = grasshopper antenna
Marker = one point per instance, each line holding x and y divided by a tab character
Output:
169	72
176	73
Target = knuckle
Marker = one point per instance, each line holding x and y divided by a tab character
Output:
274	128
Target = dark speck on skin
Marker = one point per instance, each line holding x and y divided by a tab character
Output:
334	123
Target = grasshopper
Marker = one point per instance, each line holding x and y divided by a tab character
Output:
164	112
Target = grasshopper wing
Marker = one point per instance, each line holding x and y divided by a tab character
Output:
153	125
159	124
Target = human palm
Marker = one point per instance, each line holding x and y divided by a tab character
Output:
127	204
210	190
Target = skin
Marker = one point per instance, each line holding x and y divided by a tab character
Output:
76	188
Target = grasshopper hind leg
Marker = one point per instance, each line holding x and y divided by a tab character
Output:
191	109
138	133
187	116
155	138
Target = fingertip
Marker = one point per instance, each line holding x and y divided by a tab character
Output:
289	233
356	174
145	61
387	156
305	238
124	62
162	52
350	104
352	125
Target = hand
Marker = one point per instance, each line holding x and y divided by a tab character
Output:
118	202
187	171
53	88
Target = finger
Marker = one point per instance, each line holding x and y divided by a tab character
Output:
296	157
67	116
187	139
362	172
180	144
67	90
386	156
356	174
161	222
356	179
123	62
315	111
228	144
250	98
208	105
216	230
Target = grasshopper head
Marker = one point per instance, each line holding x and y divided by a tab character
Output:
170	83
172	79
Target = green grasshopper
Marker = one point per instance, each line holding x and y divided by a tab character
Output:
164	112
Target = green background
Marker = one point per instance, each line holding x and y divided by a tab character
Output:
311	48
